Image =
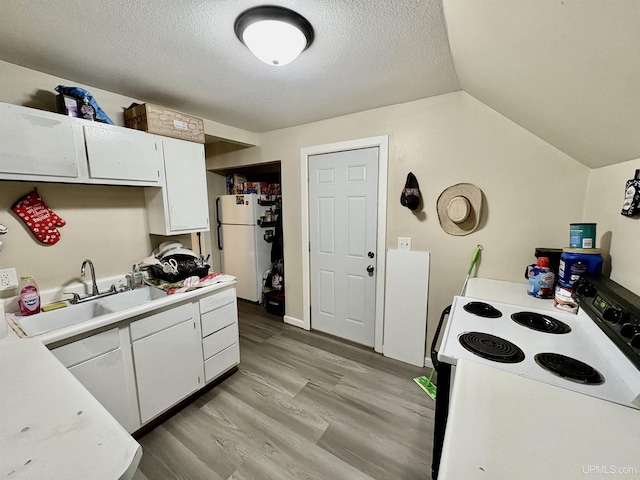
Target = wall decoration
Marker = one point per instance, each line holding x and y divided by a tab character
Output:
459	209
410	197
631	204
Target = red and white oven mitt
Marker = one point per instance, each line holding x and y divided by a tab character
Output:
39	218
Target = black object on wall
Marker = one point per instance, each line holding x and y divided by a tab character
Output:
410	197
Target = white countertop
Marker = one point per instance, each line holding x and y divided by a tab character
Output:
113	318
509	427
506	292
52	427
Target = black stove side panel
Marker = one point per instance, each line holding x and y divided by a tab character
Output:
614	309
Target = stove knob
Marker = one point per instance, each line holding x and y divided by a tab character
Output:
635	341
628	330
612	314
586	289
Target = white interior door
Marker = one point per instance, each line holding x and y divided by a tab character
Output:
343	196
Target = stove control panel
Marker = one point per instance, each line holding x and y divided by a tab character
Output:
614	309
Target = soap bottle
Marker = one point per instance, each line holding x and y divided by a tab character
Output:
28	296
541	280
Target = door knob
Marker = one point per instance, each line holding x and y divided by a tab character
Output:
370	269
370	254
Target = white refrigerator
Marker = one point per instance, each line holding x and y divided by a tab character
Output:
244	251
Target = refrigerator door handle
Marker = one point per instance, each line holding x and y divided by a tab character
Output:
219	223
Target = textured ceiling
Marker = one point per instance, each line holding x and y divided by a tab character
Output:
566	70
184	54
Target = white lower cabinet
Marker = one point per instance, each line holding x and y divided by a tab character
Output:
100	363
168	367
140	369
105	378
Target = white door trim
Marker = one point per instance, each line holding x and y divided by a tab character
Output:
382	142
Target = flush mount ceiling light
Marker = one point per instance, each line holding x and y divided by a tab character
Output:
276	35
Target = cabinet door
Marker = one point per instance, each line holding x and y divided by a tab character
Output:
186	180
37	143
168	367
99	363
105	378
122	154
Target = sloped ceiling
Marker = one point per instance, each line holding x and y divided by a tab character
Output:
566	70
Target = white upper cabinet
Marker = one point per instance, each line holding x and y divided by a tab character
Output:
122	154
35	144
182	205
48	147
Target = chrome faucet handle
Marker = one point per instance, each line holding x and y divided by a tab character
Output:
75	299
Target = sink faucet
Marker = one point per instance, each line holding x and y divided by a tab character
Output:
95	294
94	285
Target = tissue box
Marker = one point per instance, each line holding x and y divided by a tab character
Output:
164	121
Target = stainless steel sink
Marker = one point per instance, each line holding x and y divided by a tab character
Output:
74	314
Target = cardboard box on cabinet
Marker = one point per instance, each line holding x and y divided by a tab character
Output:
164	121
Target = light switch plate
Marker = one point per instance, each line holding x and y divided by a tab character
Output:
8	279
404	243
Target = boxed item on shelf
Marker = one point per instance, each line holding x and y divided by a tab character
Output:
256	187
164	121
273	189
239	182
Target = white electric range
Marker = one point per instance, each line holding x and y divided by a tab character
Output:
562	349
595	352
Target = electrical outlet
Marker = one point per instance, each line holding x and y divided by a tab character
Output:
8	279
404	243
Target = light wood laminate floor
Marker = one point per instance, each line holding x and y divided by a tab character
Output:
302	405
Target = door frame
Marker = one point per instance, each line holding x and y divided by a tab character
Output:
382	142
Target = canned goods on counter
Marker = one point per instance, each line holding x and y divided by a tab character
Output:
563	300
582	235
576	261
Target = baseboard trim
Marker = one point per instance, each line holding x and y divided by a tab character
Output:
296	322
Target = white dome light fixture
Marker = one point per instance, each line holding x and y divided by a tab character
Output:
276	35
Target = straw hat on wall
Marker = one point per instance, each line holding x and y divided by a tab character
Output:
459	209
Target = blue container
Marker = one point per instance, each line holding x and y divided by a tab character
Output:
576	261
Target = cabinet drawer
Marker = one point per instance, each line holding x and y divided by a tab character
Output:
218	319
161	321
221	362
88	348
216	342
217	300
